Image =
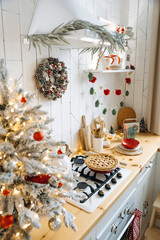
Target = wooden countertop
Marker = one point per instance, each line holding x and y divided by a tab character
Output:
86	221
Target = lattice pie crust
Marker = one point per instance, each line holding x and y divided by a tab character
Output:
101	162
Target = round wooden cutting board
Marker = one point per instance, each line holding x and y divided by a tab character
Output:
125	113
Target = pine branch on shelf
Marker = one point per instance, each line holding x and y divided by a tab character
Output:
58	35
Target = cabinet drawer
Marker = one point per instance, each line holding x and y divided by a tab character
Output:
146	170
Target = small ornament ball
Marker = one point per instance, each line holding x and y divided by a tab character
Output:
59	152
6	192
54	223
60	184
67	186
23	100
6	221
21	236
38	136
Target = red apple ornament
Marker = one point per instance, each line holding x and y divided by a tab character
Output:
38	136
128	80
106	91
93	80
118	91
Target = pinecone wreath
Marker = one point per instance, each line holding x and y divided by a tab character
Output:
51	78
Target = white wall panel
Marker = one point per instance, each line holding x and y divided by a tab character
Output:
10	5
74	83
12	35
133	7
138	96
46	104
29	66
139	68
1	35
15	70
66	58
91	6
82	90
26	13
56	106
56	111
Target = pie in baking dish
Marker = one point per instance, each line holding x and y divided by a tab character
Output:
101	162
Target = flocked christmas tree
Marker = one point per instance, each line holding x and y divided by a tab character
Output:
30	185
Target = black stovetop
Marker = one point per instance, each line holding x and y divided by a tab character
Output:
90	182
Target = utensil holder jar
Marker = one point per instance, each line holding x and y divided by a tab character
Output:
98	145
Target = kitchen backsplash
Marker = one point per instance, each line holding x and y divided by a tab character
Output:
15	19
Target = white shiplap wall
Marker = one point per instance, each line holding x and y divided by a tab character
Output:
140	17
15	19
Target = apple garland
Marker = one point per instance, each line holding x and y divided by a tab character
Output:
106	92
51	78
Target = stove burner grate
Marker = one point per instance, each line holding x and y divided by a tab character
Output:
78	160
82	185
96	178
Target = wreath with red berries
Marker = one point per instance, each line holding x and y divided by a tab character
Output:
51	78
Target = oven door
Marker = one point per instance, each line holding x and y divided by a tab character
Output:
126	227
116	228
119	227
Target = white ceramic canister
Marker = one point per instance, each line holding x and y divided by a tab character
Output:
98	145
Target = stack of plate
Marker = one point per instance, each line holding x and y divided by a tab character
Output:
129	147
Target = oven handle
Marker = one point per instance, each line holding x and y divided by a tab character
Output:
129	222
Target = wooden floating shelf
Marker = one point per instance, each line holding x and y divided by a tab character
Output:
110	71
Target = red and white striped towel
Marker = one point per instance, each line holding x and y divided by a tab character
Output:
134	228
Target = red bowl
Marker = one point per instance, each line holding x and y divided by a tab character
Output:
130	143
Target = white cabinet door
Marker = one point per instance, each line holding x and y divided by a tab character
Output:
91	235
144	194
157	177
